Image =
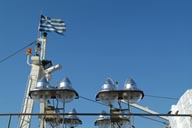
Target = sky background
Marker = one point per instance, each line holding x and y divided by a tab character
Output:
147	40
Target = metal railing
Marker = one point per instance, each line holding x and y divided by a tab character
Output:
10	115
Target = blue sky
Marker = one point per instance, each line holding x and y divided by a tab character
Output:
147	40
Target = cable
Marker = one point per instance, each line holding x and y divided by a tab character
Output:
169	98
162	97
93	101
15	53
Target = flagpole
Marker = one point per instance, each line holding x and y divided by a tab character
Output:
43	39
39	32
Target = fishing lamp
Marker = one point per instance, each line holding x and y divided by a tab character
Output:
107	94
131	93
72	120
65	92
42	91
103	121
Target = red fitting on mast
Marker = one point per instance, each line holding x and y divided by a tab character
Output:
29	51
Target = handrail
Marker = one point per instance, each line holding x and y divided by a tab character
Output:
95	114
60	115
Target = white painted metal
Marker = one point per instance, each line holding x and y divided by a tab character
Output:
183	106
148	111
42	57
36	73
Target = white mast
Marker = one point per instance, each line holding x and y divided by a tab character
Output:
36	73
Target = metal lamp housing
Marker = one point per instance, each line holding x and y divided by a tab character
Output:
108	94
72	120
131	93
42	91
103	121
65	92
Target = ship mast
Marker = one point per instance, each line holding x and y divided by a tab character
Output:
39	68
36	73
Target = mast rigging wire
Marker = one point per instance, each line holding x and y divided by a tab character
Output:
16	52
162	97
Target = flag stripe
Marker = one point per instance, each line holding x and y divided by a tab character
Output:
51	28
53	21
52	24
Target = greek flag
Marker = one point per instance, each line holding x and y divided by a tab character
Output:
52	25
